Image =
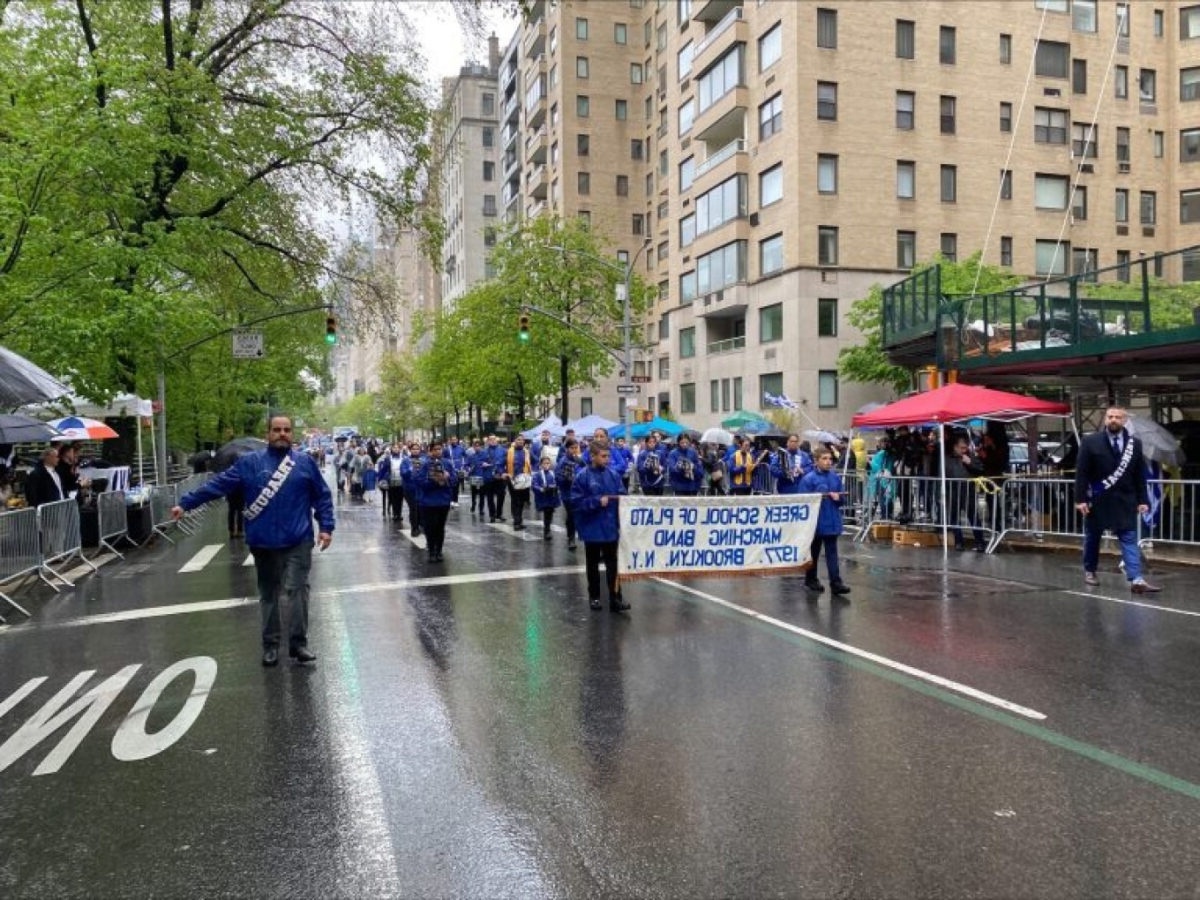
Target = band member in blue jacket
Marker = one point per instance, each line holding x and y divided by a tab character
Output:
570	461
477	476
437	481
594	497
789	466
546	494
825	480
412	487
651	468
684	471
495	479
458	459
284	488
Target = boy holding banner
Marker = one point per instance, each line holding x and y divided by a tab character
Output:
594	501
825	480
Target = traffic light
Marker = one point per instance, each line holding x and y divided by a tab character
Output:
330	330
523	328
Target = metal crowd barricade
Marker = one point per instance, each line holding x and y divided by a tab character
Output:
915	501
58	525
162	499
1174	514
19	551
1040	506
113	524
854	512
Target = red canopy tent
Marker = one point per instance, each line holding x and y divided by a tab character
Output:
959	403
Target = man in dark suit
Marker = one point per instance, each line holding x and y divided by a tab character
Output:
1110	493
43	484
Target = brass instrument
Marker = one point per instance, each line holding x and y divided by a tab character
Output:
688	469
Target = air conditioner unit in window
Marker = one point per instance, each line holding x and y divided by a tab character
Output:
753	219
828	276
1086	169
1122	230
1123	167
1148	231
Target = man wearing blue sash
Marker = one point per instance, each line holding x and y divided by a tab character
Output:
1110	493
284	489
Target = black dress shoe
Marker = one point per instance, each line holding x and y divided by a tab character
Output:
840	588
303	656
271	656
594	603
814	585
617	604
545	536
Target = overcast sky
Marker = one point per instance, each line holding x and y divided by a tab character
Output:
445	46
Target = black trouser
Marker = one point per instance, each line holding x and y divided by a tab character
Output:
414	511
283	571
494	492
520	499
741	490
395	495
547	519
433	522
570	524
236	503
594	551
656	491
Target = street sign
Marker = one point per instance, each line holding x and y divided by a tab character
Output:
248	344
640	379
628	389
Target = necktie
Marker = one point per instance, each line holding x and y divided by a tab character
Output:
1116	442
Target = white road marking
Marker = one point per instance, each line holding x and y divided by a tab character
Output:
235	602
202	558
418	542
864	654
508	529
1170	609
370	550
249	560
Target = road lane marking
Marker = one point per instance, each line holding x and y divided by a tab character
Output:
177	609
202	558
522	535
921	674
249	560
418	542
1170	609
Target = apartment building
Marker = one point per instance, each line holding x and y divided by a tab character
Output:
782	157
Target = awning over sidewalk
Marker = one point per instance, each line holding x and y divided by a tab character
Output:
959	403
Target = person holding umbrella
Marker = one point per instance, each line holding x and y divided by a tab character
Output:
285	489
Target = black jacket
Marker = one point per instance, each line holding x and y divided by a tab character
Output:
40	487
1116	508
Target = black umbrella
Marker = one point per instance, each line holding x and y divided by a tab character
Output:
16	429
23	382
228	454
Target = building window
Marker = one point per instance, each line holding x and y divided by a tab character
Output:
827	317
721	77
582	144
1005	117
1006	251
770	48
1085	261
771	383
489	204
583	182
664	362
489	136
687	173
1049	125
687	231
620	33
1189	145
1122	11
1083	140
770	117
827	28
661	38
770	186
622	110
1147	85
906	179
1121	206
687	342
906	249
687	287
488	104
1050	191
1006	49
489	171
1079	76
770	324
1083	15
636	73
827	388
827	245
1149	207
582	106
1050	258
1051	59
947	40
906	39
1123	145
687	115
714	395
1158	23
827	173
1189	23
581	29
585	406
664	250
1123	266
770	255
687	397
664	164
684	60
636	151
949	184
1160	147
1079	204
1189	84
827	101
948	108
721	268
1191	265
949	247
906	103
622	185
1058	6
638	224
581	67
1121	82
1006	184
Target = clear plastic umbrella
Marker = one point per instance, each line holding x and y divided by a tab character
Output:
23	382
1158	444
716	436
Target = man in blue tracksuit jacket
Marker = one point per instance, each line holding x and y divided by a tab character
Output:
283	488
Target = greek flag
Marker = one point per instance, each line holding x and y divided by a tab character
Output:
1154	488
780	400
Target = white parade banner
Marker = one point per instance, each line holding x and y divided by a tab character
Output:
716	536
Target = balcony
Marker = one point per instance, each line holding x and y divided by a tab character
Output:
511	162
729	31
535	38
507	135
510	106
713	10
729	345
535	210
725	153
535	112
724	120
728	303
536	144
538	183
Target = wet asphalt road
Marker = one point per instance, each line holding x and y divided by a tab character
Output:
472	730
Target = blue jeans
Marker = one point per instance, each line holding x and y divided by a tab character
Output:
1129	549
